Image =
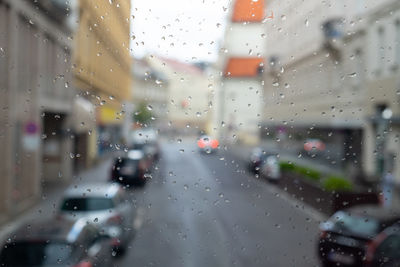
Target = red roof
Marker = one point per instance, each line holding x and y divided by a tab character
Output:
248	10
243	67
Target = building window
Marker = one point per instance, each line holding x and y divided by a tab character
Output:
381	50
397	45
359	68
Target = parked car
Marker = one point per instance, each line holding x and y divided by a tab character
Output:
146	140
345	236
384	250
57	243
258	158
270	168
207	144
105	205
131	169
313	147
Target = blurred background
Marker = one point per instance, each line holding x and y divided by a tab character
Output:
214	94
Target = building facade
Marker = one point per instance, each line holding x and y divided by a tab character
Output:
241	63
330	75
150	87
102	74
36	99
188	95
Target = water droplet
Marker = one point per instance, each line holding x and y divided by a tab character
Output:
96	220
283	17
66	84
275	84
223	124
71	155
181	150
208	189
111	97
221	195
185	187
149	107
198	114
158	81
306	22
352	75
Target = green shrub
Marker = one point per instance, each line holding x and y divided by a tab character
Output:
286	166
308	173
304	171
337	183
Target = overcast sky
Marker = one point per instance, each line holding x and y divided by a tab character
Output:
188	30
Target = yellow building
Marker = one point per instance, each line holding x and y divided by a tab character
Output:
102	68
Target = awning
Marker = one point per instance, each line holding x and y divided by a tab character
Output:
84	115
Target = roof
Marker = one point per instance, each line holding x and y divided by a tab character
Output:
93	190
182	67
243	67
248	10
54	229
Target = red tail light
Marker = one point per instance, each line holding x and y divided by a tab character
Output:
201	143
116	219
214	143
323	234
372	246
84	264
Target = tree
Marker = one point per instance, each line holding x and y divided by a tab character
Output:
143	114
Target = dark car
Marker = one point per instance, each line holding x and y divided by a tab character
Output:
131	169
57	243
345	236
384	250
258	158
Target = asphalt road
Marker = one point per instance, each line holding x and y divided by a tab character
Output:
206	210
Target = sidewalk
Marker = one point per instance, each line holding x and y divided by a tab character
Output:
48	205
242	152
287	154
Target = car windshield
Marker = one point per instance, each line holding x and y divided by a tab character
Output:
87	204
355	224
36	253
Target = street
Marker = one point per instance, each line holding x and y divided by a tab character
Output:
204	210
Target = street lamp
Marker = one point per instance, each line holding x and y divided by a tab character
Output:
383	118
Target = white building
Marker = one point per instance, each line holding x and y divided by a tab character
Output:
150	86
241	62
331	72
188	94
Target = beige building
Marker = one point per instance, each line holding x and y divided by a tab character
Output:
188	94
36	99
330	75
241	63
102	74
150	86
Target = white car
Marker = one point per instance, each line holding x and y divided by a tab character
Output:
270	168
102	204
